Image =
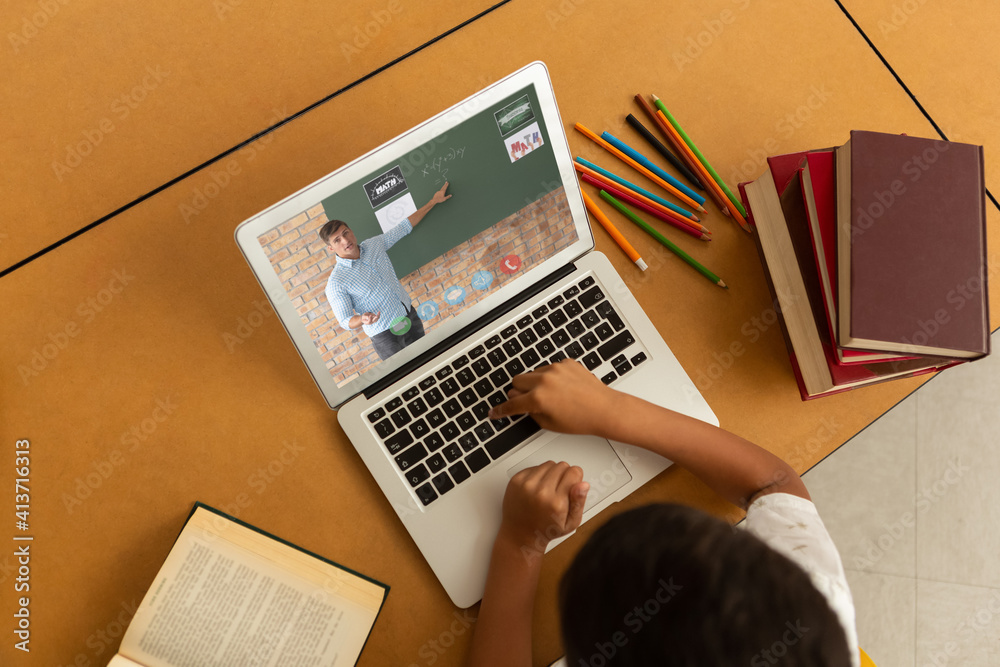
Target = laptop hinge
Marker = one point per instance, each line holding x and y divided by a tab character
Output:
465	332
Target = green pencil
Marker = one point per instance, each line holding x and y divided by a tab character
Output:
694	149
662	239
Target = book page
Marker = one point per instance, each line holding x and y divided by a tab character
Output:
121	661
228	596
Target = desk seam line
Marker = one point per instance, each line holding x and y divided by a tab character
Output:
905	88
207	163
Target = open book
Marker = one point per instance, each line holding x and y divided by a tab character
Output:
231	595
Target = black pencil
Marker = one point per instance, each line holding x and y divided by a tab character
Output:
664	151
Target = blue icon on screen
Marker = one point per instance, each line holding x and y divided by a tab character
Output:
454	295
481	280
428	310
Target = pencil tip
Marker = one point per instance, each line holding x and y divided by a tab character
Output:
722	284
655	98
705	237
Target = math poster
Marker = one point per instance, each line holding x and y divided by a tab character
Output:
523	142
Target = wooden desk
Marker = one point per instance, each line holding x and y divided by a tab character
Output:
137	405
104	102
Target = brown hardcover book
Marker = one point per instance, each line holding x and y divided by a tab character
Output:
782	238
819	191
911	246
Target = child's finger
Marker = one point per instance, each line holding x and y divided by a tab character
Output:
554	474
577	500
519	402
570	477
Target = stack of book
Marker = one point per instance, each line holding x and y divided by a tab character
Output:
875	254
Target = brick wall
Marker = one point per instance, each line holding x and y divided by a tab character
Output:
303	265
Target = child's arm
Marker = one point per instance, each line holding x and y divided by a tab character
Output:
566	397
541	504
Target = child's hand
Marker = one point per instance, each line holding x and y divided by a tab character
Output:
541	504
563	397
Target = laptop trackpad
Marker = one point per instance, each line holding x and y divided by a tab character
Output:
601	465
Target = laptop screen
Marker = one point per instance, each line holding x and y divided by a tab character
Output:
484	184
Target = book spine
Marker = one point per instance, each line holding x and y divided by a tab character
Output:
986	255
775	303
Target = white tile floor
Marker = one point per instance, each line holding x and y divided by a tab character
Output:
913	504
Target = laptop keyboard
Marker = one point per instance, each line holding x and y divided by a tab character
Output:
437	430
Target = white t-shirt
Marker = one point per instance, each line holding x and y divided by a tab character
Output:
791	526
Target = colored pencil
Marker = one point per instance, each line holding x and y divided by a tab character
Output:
664	151
694	149
629	199
582	129
613	231
635	188
723	202
696	224
662	239
652	166
706	179
681	149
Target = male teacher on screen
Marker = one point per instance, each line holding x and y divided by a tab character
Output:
363	289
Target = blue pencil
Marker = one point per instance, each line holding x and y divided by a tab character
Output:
645	193
645	162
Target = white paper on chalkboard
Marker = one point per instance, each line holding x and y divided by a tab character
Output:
393	213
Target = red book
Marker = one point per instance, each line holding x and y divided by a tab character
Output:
784	244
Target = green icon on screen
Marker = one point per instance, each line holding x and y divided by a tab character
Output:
400	325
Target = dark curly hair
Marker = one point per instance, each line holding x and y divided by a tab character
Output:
670	585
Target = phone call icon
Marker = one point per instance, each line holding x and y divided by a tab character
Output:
510	264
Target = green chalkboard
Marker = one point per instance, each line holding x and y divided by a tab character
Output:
485	183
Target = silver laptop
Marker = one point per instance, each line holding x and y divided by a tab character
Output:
500	278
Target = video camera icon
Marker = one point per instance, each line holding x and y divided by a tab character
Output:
400	325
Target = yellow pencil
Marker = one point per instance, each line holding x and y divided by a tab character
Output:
613	231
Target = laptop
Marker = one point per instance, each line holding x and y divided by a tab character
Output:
501	278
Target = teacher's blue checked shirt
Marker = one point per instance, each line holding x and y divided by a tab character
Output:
369	284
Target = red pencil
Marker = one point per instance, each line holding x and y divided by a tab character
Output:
692	220
626	197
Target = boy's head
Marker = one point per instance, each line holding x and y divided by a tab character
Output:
671	585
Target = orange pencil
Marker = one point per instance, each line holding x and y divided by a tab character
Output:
720	196
638	195
629	199
632	186
675	140
688	159
638	167
613	231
